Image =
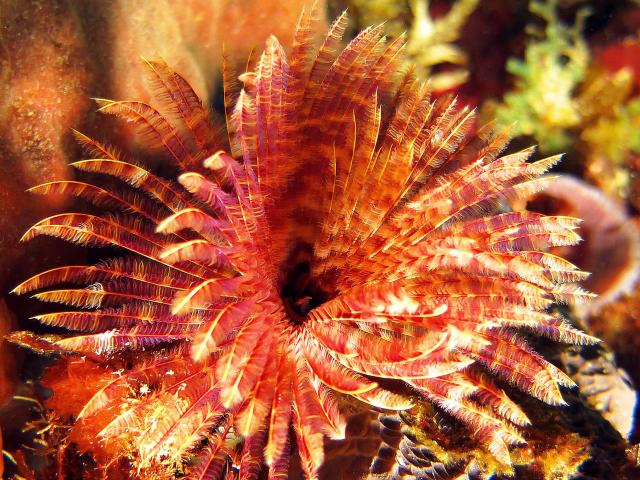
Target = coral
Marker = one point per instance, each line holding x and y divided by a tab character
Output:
623	55
611	252
30	434
566	100
611	246
430	42
350	245
542	104
605	387
351	457
571	443
44	93
428	446
618	323
608	136
396	15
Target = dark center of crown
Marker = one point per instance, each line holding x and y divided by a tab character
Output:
299	293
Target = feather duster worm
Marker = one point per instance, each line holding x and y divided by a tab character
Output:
342	243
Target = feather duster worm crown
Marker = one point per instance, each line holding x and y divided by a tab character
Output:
345	236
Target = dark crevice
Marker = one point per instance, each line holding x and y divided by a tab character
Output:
300	294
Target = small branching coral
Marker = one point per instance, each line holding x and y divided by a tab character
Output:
430	41
542	104
350	244
566	100
610	122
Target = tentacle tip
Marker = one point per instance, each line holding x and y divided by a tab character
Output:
28	235
103	103
214	162
590	340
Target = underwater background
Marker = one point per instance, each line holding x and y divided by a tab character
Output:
563	75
